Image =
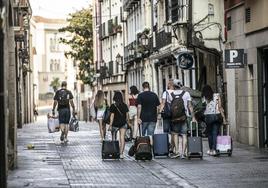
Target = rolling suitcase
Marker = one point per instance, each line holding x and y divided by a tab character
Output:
143	150
160	144
224	143
110	149
194	144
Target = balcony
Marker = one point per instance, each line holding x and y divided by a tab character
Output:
162	39
129	4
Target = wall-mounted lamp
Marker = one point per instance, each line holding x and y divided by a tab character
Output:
119	60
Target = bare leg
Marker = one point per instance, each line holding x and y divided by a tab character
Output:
66	129
176	143
184	143
122	133
135	127
180	145
101	129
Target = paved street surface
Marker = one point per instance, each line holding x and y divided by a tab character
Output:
79	164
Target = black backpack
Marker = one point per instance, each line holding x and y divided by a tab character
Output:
177	108
64	97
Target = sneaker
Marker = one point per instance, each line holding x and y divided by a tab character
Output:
175	155
209	152
121	156
66	140
182	156
62	136
213	153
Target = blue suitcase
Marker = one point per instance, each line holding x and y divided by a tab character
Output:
160	144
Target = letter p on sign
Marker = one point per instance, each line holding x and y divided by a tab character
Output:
233	55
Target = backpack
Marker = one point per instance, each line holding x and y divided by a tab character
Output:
64	97
177	108
198	105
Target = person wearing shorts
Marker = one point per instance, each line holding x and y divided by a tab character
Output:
179	129
63	98
118	120
100	104
132	102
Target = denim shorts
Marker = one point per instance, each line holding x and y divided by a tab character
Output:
115	129
179	128
167	125
148	127
64	115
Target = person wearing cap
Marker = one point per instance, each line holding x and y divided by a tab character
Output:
180	128
62	99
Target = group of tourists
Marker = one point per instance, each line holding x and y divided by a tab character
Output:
141	111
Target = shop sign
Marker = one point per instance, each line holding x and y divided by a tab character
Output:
185	60
234	58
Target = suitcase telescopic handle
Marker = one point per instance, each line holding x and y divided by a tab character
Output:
228	129
191	128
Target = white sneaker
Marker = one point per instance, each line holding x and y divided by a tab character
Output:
66	140
209	152
121	156
175	155
213	153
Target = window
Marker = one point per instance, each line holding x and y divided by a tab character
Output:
247	15
51	65
229	23
82	88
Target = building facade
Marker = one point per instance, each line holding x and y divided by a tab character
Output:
246	29
163	32
15	72
50	63
109	47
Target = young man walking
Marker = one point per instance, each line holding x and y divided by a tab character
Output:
147	109
181	108
63	98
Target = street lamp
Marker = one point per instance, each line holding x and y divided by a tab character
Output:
144	40
119	59
167	27
131	51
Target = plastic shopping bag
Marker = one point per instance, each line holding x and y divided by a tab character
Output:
53	124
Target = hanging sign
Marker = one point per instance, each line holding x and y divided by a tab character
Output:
234	58
185	60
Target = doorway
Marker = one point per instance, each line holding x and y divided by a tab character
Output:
263	97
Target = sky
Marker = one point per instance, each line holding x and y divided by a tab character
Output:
57	8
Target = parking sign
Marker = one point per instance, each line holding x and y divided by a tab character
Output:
234	58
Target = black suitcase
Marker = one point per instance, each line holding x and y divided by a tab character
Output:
110	149
143	150
160	144
194	144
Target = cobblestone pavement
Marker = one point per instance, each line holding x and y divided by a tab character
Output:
79	164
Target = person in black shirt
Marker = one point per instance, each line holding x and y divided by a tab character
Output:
63	98
118	120
147	109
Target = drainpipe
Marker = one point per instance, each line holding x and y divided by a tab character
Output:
3	149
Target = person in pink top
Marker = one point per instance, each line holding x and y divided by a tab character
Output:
132	103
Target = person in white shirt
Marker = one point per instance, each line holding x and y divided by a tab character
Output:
180	127
214	116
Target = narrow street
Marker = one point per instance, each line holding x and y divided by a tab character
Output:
79	164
